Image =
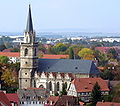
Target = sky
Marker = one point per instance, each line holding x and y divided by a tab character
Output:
61	15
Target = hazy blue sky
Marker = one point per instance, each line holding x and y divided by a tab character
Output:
83	15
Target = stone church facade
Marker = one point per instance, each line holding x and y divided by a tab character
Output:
48	73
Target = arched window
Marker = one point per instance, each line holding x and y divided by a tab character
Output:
66	85
58	86
34	83
41	86
26	52
50	86
35	52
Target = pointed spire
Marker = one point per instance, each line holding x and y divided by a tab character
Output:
29	27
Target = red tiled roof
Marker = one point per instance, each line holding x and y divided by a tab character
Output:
103	49
66	100
61	101
4	100
107	104
10	54
45	56
86	84
48	56
13	97
53	99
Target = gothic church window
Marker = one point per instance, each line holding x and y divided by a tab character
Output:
26	52
41	86
50	86
66	85
58	86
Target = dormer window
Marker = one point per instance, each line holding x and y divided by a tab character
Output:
76	67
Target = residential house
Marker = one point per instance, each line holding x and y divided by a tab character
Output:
32	96
13	98
64	100
82	88
4	101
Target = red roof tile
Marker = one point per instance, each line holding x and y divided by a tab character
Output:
13	97
86	84
107	104
61	101
45	56
4	101
53	99
66	100
10	54
103	49
48	56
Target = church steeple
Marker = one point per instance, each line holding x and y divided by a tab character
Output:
29	35
29	27
28	56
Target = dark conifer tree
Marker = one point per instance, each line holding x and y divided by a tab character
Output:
71	53
96	94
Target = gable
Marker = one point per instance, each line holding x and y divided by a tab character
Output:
43	75
72	87
51	75
59	76
67	76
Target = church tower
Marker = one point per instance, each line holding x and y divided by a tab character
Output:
28	56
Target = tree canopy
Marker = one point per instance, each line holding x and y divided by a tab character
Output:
95	94
58	48
8	78
86	54
4	59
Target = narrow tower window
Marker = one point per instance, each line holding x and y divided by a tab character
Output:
35	52
26	52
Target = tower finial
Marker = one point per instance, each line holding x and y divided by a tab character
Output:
29	27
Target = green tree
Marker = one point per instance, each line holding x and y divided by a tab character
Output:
56	94
63	92
112	53
71	53
115	93
86	54
59	48
107	75
96	94
8	78
4	59
101	57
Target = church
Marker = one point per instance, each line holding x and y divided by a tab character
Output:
48	73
